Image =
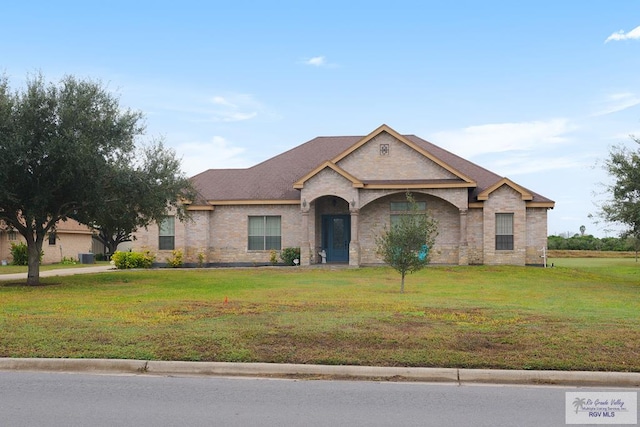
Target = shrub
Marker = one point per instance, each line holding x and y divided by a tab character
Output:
101	257
20	254
273	257
68	261
176	258
125	260
289	254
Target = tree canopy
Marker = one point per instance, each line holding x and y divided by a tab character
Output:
139	191
64	150
623	205
405	245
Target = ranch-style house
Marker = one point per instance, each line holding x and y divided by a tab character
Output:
332	196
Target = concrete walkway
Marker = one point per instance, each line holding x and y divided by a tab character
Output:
61	272
288	370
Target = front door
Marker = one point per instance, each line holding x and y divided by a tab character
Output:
336	234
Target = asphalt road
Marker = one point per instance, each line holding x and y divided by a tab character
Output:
64	399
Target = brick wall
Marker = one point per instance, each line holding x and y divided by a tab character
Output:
536	235
221	235
401	162
377	214
505	200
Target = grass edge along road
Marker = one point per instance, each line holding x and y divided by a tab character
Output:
577	317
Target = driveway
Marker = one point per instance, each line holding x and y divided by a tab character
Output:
60	272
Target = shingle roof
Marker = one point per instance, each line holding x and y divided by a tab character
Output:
273	179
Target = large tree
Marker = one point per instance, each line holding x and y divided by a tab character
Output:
623	205
405	245
140	190
60	143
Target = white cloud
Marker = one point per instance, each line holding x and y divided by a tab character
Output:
618	102
621	35
220	100
530	163
317	61
215	154
234	108
502	137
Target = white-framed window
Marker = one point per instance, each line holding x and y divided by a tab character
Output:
504	231
400	209
167	233
265	233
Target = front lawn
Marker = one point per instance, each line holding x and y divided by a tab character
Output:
568	318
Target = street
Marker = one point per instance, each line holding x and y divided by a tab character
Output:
62	399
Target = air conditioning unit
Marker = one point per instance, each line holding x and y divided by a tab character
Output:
86	258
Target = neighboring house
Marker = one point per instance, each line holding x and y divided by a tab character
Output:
338	193
69	239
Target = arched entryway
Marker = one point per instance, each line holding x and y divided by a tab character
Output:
333	228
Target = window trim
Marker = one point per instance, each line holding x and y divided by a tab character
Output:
268	240
402	209
167	236
504	231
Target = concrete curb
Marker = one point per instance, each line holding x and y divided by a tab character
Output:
441	375
287	369
74	365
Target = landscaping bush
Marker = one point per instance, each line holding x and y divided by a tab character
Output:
289	254
176	259
20	254
123	260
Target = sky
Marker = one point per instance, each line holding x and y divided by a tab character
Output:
537	91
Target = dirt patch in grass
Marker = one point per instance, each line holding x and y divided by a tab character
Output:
481	317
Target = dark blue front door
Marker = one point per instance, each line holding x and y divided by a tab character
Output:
336	234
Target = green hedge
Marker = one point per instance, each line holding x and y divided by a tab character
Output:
125	260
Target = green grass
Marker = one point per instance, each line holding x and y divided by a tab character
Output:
570	317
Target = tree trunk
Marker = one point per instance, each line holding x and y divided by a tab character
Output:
402	283
34	248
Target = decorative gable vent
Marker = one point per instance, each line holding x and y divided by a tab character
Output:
384	149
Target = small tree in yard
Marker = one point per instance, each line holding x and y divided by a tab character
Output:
405	245
623	206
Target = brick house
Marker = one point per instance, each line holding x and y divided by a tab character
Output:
69	239
337	193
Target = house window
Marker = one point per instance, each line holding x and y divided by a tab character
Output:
264	233
52	238
400	209
167	234
12	235
504	232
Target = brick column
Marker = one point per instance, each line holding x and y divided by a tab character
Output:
463	255
354	244
305	246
